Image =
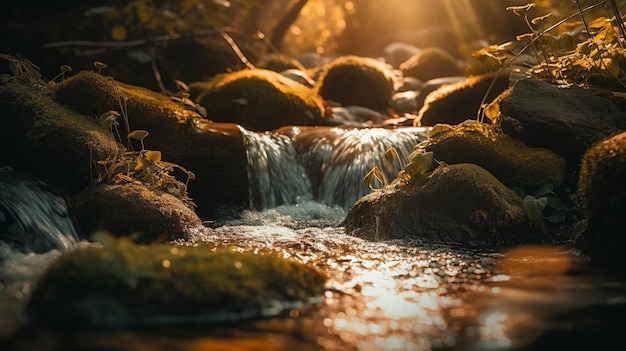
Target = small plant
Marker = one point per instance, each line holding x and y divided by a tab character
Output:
377	177
24	72
582	52
543	204
100	66
145	166
64	69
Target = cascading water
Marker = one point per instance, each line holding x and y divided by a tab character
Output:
33	217
329	166
274	174
342	157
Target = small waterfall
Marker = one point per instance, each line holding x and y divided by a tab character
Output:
340	158
323	163
33	217
275	176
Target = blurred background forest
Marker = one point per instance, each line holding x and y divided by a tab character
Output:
188	39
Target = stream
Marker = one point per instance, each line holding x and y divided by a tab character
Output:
386	295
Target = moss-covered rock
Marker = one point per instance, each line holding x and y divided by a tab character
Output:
455	102
565	120
360	81
508	159
214	152
132	208
430	63
259	100
125	285
49	141
602	191
455	204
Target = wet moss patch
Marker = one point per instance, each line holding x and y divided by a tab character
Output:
122	285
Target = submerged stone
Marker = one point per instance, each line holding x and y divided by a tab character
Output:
124	285
456	204
259	100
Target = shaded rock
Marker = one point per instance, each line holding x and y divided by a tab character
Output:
508	159
124	285
433	84
454	103
429	63
397	53
357	81
124	209
456	204
259	100
279	63
602	192
50	141
565	120
192	60
214	152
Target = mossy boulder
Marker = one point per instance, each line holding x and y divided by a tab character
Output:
214	152
602	193
44	139
124	285
359	81
565	120
430	63
132	208
259	100
508	159
460	204
456	102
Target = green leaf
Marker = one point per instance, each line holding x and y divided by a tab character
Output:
138	134
374	174
534	207
422	163
391	155
108	119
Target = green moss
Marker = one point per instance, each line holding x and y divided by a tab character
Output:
50	140
132	285
259	99
455	204
358	81
510	160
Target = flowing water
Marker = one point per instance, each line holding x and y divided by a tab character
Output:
389	295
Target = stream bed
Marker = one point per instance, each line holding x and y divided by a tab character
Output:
383	295
389	295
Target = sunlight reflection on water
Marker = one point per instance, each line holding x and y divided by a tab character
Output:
391	295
